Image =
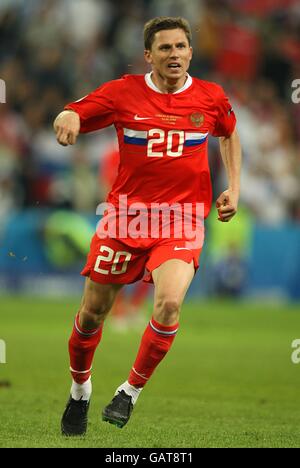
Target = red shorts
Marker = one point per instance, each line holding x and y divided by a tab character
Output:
114	261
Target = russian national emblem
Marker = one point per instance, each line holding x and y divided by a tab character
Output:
197	119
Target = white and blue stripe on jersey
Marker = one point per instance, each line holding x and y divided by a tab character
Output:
195	138
135	137
139	137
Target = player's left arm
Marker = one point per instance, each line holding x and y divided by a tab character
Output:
227	203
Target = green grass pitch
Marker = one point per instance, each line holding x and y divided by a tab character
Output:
227	382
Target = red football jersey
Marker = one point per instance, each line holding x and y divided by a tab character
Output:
162	138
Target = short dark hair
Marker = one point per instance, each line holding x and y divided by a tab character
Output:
165	22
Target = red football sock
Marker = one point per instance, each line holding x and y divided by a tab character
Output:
155	344
82	346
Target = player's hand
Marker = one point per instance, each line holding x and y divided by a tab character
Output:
66	127
226	205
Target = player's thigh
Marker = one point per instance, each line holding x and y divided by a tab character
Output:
97	297
172	280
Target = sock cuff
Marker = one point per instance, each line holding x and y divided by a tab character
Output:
83	331
163	329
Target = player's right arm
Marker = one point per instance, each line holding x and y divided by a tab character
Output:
92	112
67	127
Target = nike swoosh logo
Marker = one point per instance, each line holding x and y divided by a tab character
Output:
181	248
136	117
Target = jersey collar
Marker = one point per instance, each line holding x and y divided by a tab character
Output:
151	85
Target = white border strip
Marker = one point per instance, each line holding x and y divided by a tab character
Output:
135	133
162	332
80	372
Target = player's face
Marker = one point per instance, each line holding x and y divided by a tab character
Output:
170	55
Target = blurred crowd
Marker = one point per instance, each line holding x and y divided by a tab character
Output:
56	51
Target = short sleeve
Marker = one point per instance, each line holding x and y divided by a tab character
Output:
226	120
97	109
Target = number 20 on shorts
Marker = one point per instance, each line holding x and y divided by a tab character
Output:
120	257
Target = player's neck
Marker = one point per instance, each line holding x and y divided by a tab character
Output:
167	86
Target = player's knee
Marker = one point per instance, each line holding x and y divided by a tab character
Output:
94	312
167	310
